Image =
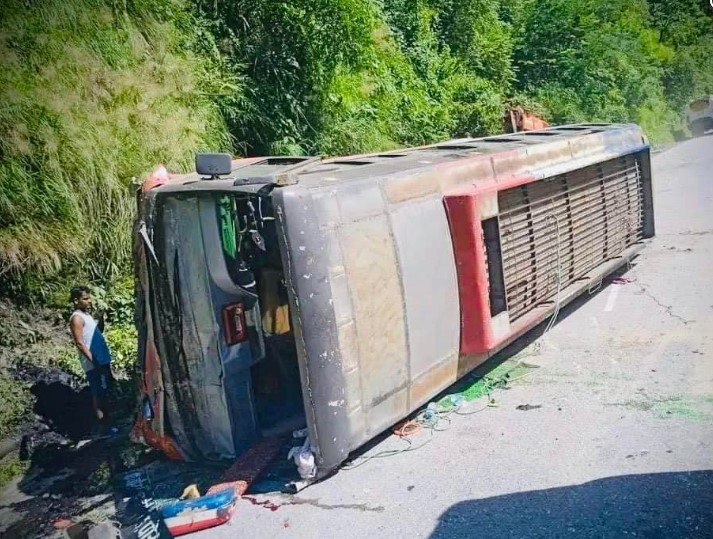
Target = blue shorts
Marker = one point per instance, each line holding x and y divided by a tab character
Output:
100	380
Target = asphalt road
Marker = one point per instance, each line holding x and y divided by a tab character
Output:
622	445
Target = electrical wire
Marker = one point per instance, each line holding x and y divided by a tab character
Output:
361	460
434	418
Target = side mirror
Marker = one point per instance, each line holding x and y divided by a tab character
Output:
213	164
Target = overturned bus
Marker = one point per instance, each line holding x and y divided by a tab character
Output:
342	294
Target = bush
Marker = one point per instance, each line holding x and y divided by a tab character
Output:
615	61
10	468
122	341
66	358
116	305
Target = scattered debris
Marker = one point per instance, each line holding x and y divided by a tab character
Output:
527	407
62	524
190	492
188	516
104	530
303	457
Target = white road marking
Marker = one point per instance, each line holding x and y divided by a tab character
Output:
611	301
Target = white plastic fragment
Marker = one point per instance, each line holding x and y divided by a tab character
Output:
304	460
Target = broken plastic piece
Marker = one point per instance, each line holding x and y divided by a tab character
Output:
304	460
189	516
293	487
190	492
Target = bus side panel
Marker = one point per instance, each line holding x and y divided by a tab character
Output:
428	275
304	249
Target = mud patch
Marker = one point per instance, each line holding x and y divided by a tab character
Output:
65	480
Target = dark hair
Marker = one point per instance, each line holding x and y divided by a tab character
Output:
77	292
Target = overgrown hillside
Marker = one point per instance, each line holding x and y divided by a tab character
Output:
94	93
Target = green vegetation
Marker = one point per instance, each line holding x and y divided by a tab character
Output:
16	401
94	93
622	61
10	467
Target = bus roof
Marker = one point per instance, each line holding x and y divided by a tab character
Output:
532	152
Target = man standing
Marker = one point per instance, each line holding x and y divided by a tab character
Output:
94	353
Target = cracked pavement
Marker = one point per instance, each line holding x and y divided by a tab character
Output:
621	446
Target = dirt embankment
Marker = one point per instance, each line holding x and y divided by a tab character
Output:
42	388
34	349
50	466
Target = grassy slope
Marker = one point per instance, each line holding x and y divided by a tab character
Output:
91	98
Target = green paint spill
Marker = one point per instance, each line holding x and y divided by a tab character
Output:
643	406
472	389
670	406
679	409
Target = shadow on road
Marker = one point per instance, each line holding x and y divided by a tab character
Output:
660	505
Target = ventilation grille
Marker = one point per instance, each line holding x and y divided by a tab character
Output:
566	225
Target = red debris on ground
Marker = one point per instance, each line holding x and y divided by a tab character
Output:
249	466
62	523
267	504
